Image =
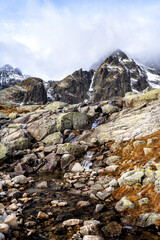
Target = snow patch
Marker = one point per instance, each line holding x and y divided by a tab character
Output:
153	79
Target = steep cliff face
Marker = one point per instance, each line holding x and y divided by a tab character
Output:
72	89
117	75
28	91
9	76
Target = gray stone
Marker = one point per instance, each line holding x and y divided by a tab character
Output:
71	148
82	204
111	168
157	186
42	216
3	116
137	143
147	150
43	184
77	168
89	229
92	237
123	204
99	208
49	167
11	220
91	222
54	138
147	219
143	201
103	195
21	179
66	159
109	109
72	120
132	177
72	222
19	144
2	237
4	152
42	127
112	160
4	228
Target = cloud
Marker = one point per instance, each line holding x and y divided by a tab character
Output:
51	39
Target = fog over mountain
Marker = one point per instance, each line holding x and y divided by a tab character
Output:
50	39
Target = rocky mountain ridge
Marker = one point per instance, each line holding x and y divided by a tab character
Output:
116	75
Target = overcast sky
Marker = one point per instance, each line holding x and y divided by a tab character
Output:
53	38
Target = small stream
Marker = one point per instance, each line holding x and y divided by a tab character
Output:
52	228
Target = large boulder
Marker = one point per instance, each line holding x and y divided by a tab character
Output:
42	127
4	152
141	99
13	136
127	124
19	144
71	148
55	138
147	219
72	120
132	177
55	105
123	204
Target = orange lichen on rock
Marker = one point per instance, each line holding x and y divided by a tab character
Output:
13	109
131	193
135	157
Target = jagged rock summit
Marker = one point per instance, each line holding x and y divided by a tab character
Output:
72	89
117	75
10	76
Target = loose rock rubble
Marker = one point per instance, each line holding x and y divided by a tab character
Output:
60	179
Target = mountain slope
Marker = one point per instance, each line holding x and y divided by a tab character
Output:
28	91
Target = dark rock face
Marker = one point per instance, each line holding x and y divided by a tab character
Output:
117	75
72	89
9	76
36	93
28	91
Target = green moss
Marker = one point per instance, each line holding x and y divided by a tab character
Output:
55	138
3	151
19	144
71	148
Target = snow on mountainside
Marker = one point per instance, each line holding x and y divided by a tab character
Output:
136	71
153	77
10	76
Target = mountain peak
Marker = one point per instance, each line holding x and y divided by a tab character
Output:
118	53
9	76
6	67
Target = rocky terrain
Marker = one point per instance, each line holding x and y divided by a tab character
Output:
74	171
80	157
